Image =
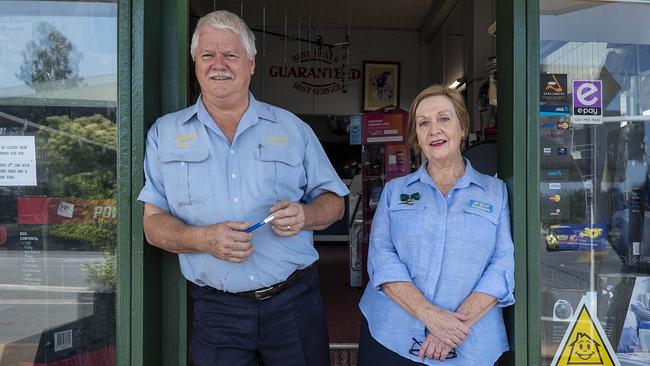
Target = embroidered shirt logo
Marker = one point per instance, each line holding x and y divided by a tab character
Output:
181	140
277	140
480	205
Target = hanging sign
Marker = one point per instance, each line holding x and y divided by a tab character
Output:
17	161
316	72
587	102
585	342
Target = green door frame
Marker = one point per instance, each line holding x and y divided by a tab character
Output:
153	72
152	80
532	206
518	78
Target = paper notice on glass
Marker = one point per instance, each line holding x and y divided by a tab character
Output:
17	161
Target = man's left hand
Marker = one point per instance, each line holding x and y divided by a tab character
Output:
289	218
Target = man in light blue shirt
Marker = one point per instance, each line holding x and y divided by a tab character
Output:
214	169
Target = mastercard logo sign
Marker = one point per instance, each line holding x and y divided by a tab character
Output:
564	125
554	198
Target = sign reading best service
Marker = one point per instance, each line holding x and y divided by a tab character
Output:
587	102
17	161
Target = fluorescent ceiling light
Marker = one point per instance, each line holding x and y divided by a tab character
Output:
457	84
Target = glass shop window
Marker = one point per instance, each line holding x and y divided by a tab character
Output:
594	125
58	96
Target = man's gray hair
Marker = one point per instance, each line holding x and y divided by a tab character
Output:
223	19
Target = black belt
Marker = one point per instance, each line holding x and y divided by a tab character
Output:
268	292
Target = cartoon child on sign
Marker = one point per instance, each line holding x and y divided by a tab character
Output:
585	351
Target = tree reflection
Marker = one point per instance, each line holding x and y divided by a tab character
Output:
51	61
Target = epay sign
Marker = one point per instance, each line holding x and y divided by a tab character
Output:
587	102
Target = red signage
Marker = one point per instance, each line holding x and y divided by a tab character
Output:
40	210
383	127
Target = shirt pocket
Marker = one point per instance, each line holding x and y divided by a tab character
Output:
280	173
186	173
407	233
481	226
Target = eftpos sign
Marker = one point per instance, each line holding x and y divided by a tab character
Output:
587	102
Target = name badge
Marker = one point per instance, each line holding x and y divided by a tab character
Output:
480	205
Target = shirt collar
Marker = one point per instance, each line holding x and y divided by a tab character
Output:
470	176
255	111
186	114
261	110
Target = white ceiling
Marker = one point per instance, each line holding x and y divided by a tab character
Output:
386	14
383	14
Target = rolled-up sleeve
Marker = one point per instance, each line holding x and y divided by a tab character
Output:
153	191
321	176
384	264
498	278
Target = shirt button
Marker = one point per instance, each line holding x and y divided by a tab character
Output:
236	200
183	163
232	151
251	277
233	175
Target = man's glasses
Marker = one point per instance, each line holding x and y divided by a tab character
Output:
415	349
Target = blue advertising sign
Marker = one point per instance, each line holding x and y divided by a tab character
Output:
554	110
355	130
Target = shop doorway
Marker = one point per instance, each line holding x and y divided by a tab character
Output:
319	60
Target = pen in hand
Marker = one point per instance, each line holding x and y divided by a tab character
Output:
260	224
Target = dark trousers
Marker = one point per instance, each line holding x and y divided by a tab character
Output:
372	353
287	329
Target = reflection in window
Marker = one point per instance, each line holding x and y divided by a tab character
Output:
594	178
58	213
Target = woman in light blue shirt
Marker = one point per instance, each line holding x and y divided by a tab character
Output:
441	261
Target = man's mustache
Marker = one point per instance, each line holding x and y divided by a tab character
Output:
221	74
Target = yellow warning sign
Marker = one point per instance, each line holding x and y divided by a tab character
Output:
585	342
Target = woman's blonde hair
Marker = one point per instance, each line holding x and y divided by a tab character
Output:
456	100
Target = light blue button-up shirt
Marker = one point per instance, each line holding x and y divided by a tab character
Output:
195	174
447	246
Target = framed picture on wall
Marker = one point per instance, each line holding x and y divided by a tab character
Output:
380	85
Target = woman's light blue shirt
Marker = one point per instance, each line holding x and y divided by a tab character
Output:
448	246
